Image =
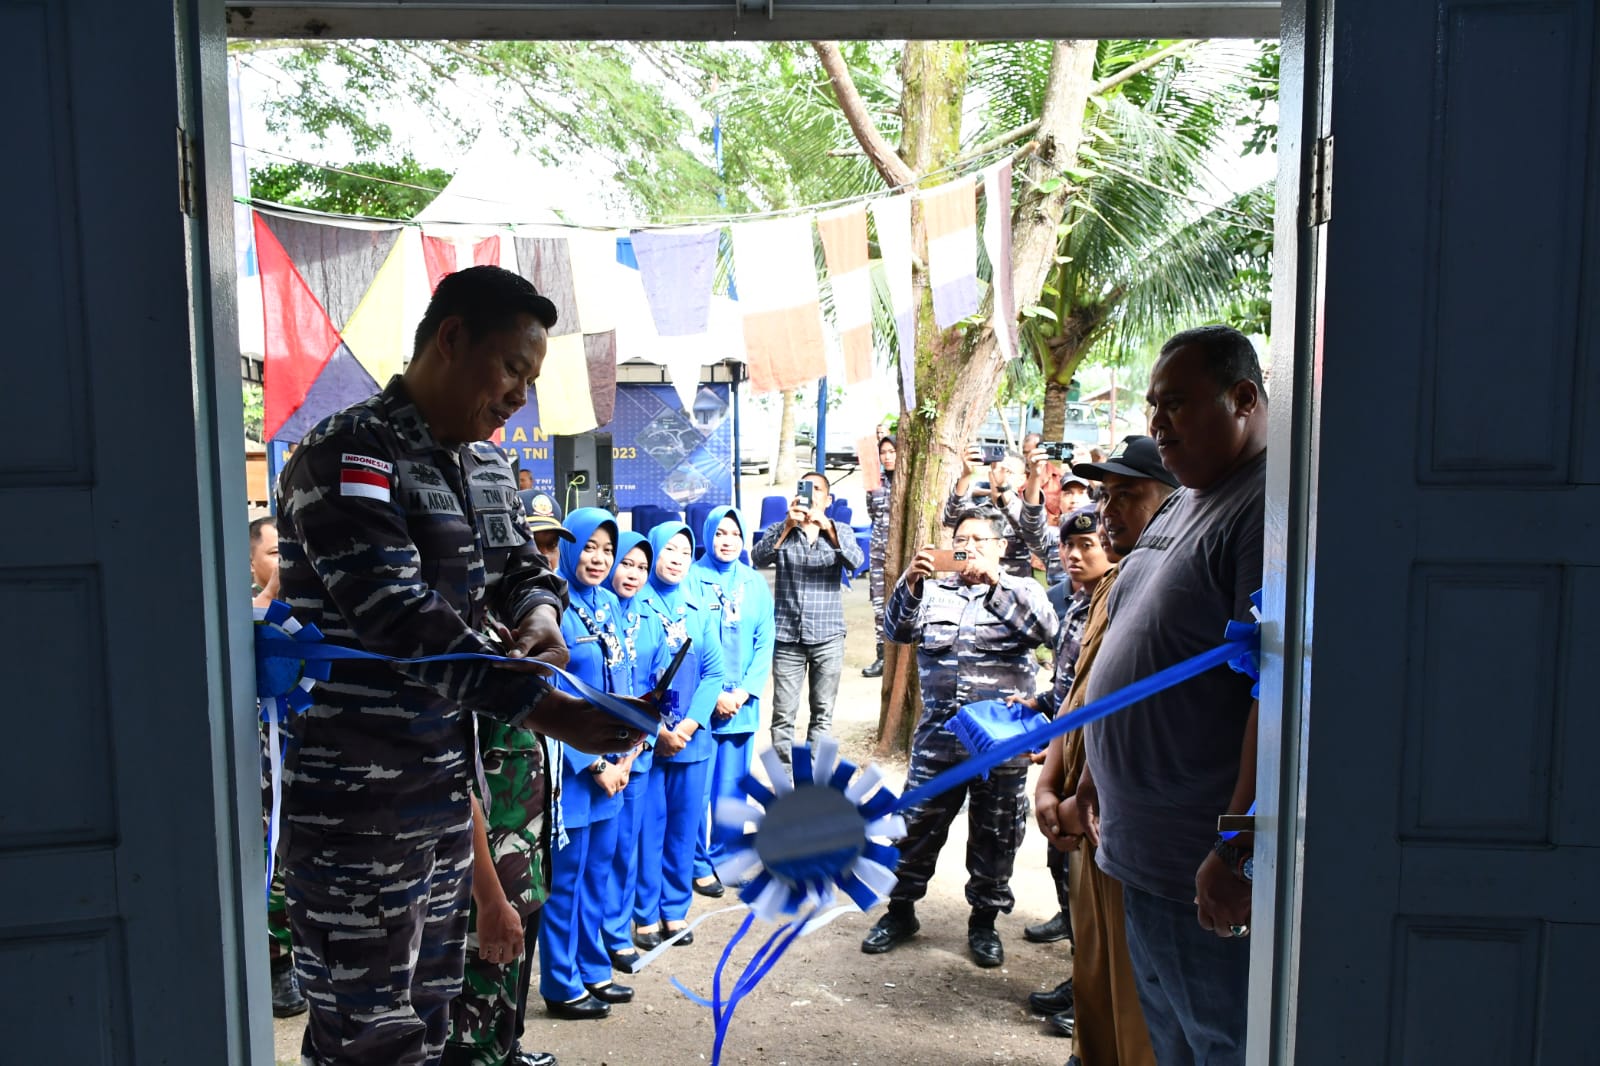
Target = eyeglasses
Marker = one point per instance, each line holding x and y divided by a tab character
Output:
963	542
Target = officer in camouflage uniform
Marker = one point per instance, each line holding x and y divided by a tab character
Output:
975	632
512	870
878	550
400	535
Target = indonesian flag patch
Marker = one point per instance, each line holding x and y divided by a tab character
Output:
362	475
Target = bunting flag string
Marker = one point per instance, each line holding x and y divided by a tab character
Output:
891	217
997	246
776	267
950	213
844	248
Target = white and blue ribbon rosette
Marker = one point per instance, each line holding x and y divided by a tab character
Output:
805	842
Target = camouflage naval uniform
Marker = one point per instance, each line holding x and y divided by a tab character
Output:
396	544
878	549
974	642
484	1017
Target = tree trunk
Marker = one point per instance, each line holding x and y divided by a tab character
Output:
1055	410
785	471
958	371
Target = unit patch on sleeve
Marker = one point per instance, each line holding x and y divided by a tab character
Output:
363	475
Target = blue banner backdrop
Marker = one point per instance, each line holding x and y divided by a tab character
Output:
661	455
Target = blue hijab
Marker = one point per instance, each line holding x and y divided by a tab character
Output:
673	596
741	604
594	608
633	611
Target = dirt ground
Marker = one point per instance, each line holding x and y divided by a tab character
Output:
825	1002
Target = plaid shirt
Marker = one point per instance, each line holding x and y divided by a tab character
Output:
808	607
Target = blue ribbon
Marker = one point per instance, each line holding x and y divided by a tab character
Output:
284	662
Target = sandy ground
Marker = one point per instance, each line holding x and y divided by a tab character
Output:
825	1002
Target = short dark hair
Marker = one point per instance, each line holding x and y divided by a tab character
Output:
827	486
991	515
1229	356
259	524
488	299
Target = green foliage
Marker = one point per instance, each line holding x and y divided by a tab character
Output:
322	189
1262	92
610	102
254	410
1143	251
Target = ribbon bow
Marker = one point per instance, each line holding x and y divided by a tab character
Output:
803	842
1248	662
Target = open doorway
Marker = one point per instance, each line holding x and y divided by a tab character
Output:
1215	216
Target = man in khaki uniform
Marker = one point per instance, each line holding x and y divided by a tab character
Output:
1110	1025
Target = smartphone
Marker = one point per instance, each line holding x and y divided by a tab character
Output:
993	453
665	683
947	561
1060	451
803	492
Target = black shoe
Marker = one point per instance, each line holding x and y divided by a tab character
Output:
683	941
1074	1061
1057	928
579	1010
531	1058
714	889
875	669
985	947
646	941
611	993
1063	1024
624	961
890	930
286	998
1055	1001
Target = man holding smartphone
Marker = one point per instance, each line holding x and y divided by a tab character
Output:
1005	474
809	551
976	627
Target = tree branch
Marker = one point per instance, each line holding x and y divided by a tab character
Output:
883	156
1133	70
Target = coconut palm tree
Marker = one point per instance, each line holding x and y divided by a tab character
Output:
1151	239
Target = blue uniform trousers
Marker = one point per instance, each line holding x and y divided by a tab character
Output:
730	760
571	942
652	837
683	794
623	884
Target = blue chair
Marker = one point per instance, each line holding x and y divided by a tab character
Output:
647	516
864	542
695	517
773	508
840	511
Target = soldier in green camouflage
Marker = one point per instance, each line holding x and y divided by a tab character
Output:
511	849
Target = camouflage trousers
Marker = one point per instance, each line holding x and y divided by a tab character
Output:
997	812
875	587
278	939
379	930
483	1018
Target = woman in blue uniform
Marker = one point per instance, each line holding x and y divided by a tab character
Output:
575	970
741	606
630	576
677	789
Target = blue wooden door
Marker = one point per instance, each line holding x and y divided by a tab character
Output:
1433	528
129	930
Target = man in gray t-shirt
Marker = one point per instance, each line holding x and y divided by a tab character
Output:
1161	772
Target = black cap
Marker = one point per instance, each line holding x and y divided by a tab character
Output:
1083	521
1135	456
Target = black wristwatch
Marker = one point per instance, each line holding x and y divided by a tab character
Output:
1241	863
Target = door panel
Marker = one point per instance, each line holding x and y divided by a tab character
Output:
1448	850
125	934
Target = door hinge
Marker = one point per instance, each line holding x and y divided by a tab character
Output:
1319	208
186	182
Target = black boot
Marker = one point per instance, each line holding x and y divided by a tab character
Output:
286	998
876	668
